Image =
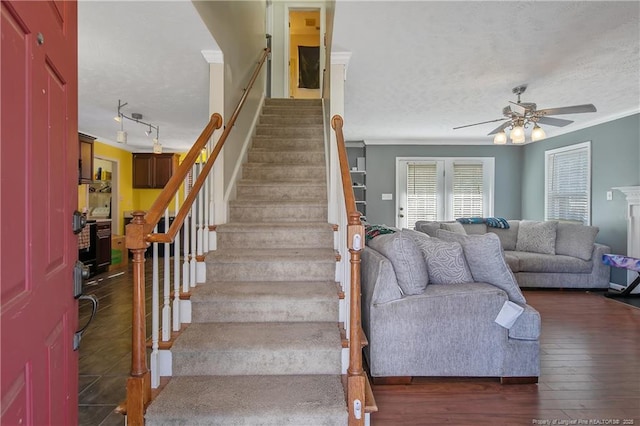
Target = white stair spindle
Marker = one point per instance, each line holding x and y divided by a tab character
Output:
166	308
185	231
193	238
205	222
155	318
176	274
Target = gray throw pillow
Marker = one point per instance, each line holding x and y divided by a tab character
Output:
407	261
445	260
537	237
453	227
486	261
576	240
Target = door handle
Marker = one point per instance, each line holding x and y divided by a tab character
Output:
400	215
94	308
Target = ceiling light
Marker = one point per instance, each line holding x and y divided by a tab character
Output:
537	133
517	134
500	138
121	135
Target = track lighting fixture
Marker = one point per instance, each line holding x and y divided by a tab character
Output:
121	135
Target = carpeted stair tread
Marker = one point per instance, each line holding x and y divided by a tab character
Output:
250	336
268	348
250	400
279	203
250	255
276	226
263	301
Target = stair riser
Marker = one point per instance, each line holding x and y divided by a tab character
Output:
290	120
257	311
275	238
314	158
278	214
281	191
298	132
259	171
288	102
266	143
269	271
265	362
299	111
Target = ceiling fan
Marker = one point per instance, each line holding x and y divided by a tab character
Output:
521	114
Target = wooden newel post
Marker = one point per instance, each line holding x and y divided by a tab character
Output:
138	384
355	372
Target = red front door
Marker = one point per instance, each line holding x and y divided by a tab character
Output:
38	194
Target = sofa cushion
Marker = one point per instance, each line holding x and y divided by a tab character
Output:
537	237
475	228
527	326
445	260
509	236
407	261
513	262
428	228
537	262
575	240
453	227
486	261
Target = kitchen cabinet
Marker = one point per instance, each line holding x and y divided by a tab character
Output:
153	170
103	243
85	162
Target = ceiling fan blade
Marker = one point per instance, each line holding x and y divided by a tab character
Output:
518	109
554	121
476	124
500	128
575	109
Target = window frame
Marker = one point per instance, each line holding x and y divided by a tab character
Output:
548	156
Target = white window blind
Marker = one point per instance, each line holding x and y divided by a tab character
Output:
422	192
468	197
568	183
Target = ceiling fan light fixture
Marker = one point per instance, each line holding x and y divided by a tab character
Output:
537	133
500	138
517	134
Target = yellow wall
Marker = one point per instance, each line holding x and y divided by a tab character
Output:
126	201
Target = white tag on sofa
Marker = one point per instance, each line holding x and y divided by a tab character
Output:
509	314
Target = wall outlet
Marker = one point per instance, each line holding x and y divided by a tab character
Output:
387	196
609	195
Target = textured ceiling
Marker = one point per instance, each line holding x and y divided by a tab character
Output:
417	68
147	54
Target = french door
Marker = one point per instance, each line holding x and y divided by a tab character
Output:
443	189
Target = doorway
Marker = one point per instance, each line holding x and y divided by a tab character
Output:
304	53
102	199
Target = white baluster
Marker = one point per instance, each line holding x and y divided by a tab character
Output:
201	269
185	231
166	308
205	222
194	219
176	273
155	318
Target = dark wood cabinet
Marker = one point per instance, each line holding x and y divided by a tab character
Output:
103	249
85	162
153	170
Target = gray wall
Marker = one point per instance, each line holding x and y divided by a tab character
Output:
239	30
615	154
381	175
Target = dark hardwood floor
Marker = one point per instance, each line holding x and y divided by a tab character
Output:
590	361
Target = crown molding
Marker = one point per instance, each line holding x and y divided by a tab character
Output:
213	56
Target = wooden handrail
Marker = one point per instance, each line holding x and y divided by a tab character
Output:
138	236
356	381
169	236
157	209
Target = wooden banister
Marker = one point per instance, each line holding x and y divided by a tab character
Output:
356	380
138	236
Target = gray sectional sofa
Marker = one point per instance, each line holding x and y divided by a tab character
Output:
429	307
543	254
